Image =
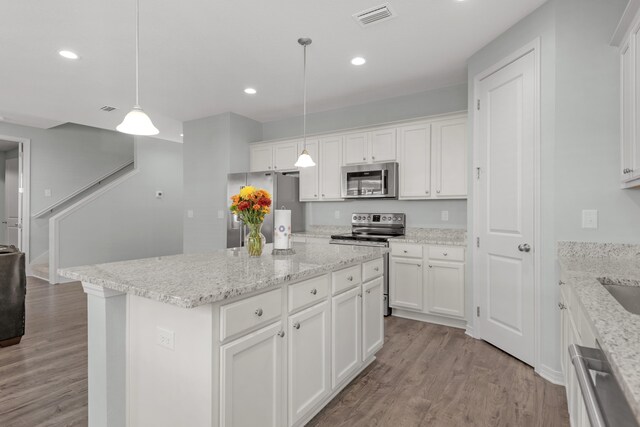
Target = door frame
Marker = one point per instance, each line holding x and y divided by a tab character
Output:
533	46
24	171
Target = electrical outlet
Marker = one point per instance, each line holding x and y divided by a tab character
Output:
589	218
220	214
159	194
165	338
47	193
444	215
336	214
190	213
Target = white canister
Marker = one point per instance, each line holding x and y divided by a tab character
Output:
281	229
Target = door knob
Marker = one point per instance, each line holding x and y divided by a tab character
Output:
524	247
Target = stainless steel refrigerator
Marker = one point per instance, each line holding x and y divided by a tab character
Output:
285	192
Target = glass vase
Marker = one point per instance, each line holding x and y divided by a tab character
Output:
255	240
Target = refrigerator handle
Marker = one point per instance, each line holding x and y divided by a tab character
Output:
242	226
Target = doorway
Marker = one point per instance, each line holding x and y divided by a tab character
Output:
506	218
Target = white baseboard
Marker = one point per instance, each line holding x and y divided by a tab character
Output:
430	318
469	330
551	375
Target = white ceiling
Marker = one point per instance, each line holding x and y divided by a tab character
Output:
197	56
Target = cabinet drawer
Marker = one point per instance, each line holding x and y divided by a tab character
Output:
308	292
406	250
446	253
372	269
345	279
251	312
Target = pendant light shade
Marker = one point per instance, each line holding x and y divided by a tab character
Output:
305	160
136	122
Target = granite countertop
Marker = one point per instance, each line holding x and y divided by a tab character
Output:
196	279
617	330
433	236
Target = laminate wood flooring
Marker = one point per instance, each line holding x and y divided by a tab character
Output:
426	375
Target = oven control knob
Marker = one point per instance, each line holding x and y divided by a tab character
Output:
384	218
369	218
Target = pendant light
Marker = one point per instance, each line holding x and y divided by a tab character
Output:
136	122
305	160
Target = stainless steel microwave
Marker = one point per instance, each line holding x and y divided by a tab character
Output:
379	180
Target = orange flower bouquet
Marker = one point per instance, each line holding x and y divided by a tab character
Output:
251	205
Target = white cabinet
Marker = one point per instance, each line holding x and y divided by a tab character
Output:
309	360
346	333
414	158
372	317
261	157
445	288
330	164
449	163
251	377
406	283
309	177
370	147
280	156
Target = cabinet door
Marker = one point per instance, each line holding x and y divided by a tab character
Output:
356	147
383	145
285	155
309	360
261	158
346	335
251	379
445	288
414	149
450	158
330	164
309	177
406	283
372	317
628	110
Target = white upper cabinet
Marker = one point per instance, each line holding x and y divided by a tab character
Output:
356	148
285	155
330	164
414	149
449	165
383	145
261	157
310	177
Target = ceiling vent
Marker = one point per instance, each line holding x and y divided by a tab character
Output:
108	109
374	15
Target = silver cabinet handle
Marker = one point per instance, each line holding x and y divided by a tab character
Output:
420	265
431	266
360	294
296	325
269	167
445	254
373	158
376	269
364	158
350	278
281	334
438	191
426	192
368	291
323	195
405	252
314	291
259	312
561	306
4	222
315	195
560	283
524	247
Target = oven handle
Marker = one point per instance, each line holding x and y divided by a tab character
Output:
582	362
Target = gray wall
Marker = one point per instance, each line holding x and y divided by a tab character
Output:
213	147
128	221
419	213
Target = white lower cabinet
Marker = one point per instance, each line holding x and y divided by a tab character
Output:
445	295
372	317
309	360
252	380
346	334
406	283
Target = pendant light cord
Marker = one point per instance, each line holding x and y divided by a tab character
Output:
137	52
304	102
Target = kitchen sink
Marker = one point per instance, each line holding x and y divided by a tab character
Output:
627	296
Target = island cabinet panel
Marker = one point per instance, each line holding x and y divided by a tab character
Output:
252	379
249	313
346	331
309	365
372	317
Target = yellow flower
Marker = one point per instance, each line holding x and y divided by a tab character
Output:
247	191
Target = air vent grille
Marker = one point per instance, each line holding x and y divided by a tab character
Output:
374	15
108	108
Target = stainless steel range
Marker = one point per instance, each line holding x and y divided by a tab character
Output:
369	229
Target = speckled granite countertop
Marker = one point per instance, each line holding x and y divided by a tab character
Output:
617	330
425	236
197	279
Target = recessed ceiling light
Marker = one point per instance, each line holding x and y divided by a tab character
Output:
250	91
68	54
358	60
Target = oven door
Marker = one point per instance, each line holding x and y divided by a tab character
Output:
370	181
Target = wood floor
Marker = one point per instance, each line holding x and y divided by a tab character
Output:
426	375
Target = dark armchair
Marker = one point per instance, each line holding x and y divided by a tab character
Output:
13	288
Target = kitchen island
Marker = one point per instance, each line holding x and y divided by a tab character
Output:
222	339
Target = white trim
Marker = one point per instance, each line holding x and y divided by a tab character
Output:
99	291
551	375
629	16
62	201
469	330
533	46
429	318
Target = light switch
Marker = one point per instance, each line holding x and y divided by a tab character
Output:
220	214
165	338
47	192
190	213
444	215
589	218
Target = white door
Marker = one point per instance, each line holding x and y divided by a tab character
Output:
330	164
372	317
406	283
309	190
261	158
346	334
445	288
285	155
251	379
505	218
383	145
309	360
356	147
414	149
450	158
628	80
12	202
